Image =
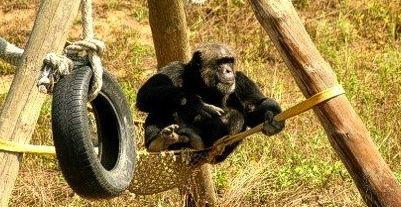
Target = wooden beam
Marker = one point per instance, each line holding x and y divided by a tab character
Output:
170	36
23	103
346	132
169	30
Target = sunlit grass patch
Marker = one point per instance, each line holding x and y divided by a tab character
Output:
6	69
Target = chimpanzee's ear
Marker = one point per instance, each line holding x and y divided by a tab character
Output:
196	61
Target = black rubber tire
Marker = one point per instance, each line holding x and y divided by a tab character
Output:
92	175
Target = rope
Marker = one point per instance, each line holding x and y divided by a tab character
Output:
10	146
305	105
54	66
89	47
74	55
9	52
92	46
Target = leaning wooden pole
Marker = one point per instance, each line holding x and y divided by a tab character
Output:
346	132
170	36
23	103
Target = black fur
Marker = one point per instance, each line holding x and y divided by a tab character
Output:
177	93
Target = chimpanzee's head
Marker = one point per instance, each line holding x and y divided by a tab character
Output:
215	63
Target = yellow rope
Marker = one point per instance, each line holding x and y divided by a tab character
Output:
309	103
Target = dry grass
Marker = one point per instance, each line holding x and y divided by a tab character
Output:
360	39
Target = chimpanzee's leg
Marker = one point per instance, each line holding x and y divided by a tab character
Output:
162	133
159	131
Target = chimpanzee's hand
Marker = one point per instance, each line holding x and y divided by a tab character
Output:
211	110
194	106
271	126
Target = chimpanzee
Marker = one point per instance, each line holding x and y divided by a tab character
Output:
191	105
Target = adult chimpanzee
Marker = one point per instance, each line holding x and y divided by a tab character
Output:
194	104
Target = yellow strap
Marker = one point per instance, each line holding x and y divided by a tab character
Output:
305	105
10	146
309	103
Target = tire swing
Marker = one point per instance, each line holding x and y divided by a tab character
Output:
93	170
101	172
107	170
92	174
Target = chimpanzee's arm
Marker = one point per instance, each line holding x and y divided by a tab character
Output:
258	108
159	94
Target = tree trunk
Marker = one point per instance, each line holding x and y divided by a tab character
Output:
170	36
23	103
169	30
346	132
202	187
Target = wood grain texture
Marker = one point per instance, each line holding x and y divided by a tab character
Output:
345	130
23	103
169	30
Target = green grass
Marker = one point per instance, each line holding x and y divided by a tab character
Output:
6	69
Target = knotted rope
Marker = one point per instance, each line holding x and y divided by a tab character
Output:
93	48
76	54
79	53
54	66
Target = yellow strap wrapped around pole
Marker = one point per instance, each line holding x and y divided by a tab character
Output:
309	103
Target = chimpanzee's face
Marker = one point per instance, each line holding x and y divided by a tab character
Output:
217	68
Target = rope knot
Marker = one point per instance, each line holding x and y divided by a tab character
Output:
62	63
76	54
84	47
54	66
93	49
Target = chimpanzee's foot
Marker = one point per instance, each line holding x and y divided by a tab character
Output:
169	134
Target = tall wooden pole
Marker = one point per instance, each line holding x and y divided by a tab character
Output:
169	30
170	36
346	132
23	103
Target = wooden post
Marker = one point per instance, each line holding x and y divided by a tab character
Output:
170	36
169	30
346	132
23	103
202	187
